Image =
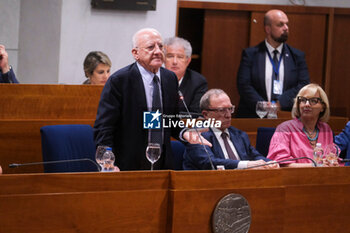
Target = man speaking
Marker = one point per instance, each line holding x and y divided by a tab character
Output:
143	86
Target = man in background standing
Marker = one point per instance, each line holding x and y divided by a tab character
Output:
272	70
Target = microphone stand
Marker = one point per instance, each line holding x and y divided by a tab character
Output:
13	165
200	138
285	160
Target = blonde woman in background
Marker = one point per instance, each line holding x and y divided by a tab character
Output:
97	68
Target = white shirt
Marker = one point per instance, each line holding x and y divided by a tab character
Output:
217	133
268	68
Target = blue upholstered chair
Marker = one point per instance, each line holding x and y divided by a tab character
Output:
68	142
178	150
263	138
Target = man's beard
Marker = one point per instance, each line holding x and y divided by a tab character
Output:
283	38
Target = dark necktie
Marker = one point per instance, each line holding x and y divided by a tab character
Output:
229	151
156	134
274	75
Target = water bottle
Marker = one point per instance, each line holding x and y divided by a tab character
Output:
318	154
107	160
272	113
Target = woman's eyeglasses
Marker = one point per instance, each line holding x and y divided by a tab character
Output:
312	101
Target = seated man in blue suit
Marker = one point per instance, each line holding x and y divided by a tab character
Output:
272	70
343	141
6	73
192	84
230	146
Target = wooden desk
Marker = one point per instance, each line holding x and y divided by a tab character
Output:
283	200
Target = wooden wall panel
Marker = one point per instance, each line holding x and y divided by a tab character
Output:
340	75
225	36
45	101
301	26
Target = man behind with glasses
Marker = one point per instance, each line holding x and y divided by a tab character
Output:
230	146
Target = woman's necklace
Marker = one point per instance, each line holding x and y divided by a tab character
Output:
312	140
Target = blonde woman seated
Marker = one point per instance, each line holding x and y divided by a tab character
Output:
97	68
298	137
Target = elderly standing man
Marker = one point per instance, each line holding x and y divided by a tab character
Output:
192	84
272	70
132	92
230	146
6	73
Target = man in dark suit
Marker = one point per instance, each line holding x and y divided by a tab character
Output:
192	84
6	73
272	70
230	146
132	93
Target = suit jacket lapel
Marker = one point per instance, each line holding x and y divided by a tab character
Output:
139	87
237	143
288	65
216	145
184	87
261	68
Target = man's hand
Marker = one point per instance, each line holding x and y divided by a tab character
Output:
193	137
262	164
4	65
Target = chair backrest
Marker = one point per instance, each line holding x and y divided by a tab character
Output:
178	150
263	138
65	142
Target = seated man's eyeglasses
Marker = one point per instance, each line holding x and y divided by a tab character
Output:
222	111
312	101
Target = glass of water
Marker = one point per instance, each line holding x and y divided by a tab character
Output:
153	153
332	152
261	108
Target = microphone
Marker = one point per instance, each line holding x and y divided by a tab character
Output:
200	138
344	160
13	165
284	160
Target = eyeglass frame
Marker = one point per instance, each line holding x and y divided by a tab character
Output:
181	57
222	111
152	47
310	100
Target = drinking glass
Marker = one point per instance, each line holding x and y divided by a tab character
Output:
332	152
261	108
99	155
153	153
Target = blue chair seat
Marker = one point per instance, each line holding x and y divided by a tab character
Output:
263	139
67	142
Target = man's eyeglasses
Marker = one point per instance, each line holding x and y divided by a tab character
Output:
180	57
222	111
151	48
312	101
